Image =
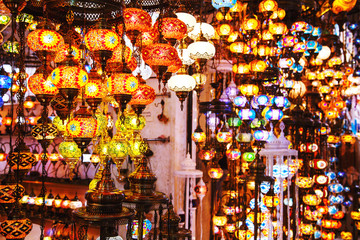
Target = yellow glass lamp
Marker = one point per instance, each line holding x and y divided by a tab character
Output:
57	201
249	89
278	29
215	172
251	24
267	7
346	235
304	182
311	199
306	228
258	66
241	68
220	219
342	6
224	30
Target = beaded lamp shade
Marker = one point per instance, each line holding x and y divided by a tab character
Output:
69	77
172	29
136	21
16	229
21	159
45	42
64	51
8	192
39	85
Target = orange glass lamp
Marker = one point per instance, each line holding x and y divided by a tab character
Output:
136	21
3	155
45	42
57	201
69	79
122	85
64	51
220	219
95	90
250	26
29	103
65	204
24	163
249	89
102	41
82	128
311	199
160	56
343	6
241	68
215	172
16	226
258	66
142	97
278	30
121	53
224	30
267	7
306	228
172	29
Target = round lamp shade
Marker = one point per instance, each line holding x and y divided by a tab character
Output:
16	229
82	127
201	50
172	28
101	39
95	88
144	95
148	38
39	85
136	20
185	58
45	40
21	158
8	192
68	77
5	81
160	54
181	82
69	149
64	51
122	83
118	148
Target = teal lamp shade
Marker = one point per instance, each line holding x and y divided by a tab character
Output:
223	3
5	81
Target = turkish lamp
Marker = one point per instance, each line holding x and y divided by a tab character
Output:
3	155
200	189
39	200
250	26
75	203
311	199
5	82
200	80
278	30
249	155
21	159
198	135
94	90
278	14
241	68
233	154
187	18
224	135
202	29
142	97
219	219
49	199
65	203
232	91
32	197
201	50
271	200
249	90
57	201
215	172
267	7
224	30
25	198
230	226
182	84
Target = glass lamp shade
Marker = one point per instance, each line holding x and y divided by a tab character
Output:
241	68
224	30
232	91
50	133
278	29
8	192
5	81
75	203
45	40
343	6
207	31
215	173
268	6
144	95
249	89
172	29
198	135
159	54
101	39
137	146
118	147
95	88
69	149
224	137
4	21
64	51
346	235
305	182
257	66
188	19
247	114
11	47
311	199
134	122
39	85
306	228
274	114
16	229
248	156
239	48
233	154
69	77
82	127
223	3
181	83
201	50
122	83
251	24
207	154
136	20
3	155
298	90
219	220
21	158
271	201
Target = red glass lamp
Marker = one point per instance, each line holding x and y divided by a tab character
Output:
172	29
82	128
142	97
95	90
122	53
136	21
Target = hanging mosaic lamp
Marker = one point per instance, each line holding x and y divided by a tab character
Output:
41	86
102	41
122	85
5	82
136	21
159	57
142	97
82	128
45	41
21	159
16	227
69	79
171	28
120	54
63	52
95	90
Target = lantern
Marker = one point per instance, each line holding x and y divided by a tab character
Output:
95	90
136	21
172	29
142	97
21	159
